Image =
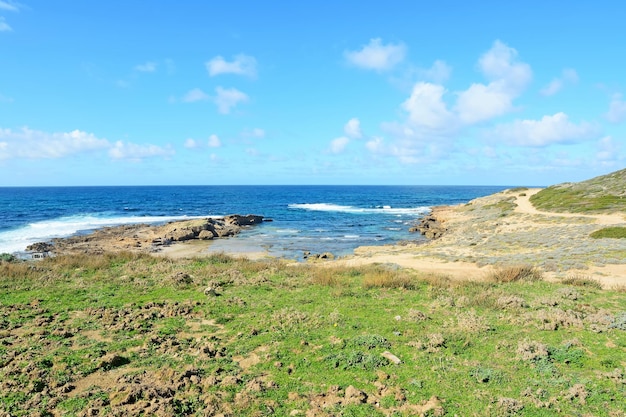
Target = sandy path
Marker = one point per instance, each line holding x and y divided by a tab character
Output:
525	206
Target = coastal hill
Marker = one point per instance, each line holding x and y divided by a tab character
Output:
606	193
560	229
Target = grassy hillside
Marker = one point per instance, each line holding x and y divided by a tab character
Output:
125	334
602	194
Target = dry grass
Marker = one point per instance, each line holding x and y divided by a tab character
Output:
516	273
581	281
384	278
328	277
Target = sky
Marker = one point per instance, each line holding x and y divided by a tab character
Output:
326	92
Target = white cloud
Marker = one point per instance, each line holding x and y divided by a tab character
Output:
146	67
339	144
377	56
426	107
214	141
569	76
608	150
555	129
376	145
9	6
551	89
241	65
227	98
5	99
617	109
482	102
256	133
191	144
438	73
34	144
136	152
4	27
508	77
352	129
195	95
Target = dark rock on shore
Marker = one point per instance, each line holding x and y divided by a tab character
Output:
430	227
148	238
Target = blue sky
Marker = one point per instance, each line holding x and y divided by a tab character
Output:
343	92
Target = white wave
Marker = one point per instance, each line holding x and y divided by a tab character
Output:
351	209
291	231
18	239
351	236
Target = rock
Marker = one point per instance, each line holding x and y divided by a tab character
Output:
207	234
40	247
239	220
391	357
430	227
210	292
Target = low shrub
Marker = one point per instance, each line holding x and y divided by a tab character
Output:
516	273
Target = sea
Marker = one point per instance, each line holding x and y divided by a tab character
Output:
317	219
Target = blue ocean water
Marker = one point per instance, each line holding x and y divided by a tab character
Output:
336	219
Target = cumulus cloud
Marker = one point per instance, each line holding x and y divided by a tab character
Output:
569	76
214	141
617	109
438	73
339	144
241	65
191	143
508	78
33	144
137	152
228	98
27	143
352	129
146	67
555	129
195	95
375	145
376	56
426	108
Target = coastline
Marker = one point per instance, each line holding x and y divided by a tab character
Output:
498	230
504	229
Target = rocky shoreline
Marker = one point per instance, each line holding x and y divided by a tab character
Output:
148	238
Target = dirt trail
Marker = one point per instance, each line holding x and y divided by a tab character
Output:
524	206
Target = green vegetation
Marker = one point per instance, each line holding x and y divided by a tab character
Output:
132	334
610	232
598	195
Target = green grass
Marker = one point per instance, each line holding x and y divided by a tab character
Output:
121	334
610	232
598	195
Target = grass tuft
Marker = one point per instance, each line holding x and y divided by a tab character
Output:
386	278
516	273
